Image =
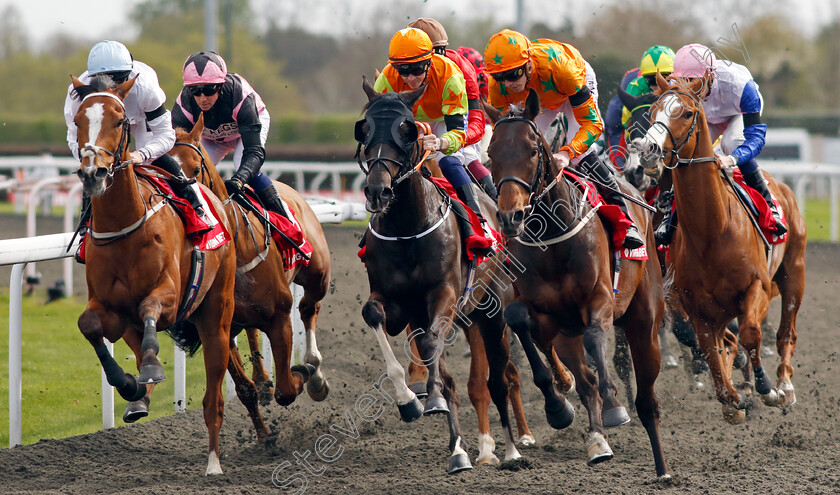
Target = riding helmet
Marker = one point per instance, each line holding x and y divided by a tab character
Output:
109	56
204	68
506	50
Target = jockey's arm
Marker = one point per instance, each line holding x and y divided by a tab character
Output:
475	122
71	106
754	138
159	121
586	115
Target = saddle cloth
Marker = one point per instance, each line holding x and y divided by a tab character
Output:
760	210
291	228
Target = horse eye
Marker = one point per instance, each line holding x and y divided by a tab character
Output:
688	115
534	152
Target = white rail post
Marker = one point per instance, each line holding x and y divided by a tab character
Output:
180	364
15	340
107	394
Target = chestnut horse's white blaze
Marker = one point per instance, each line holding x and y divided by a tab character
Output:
95	114
657	133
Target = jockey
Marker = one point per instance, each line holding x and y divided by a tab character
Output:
444	105
475	125
151	125
565	83
613	126
656	58
733	105
235	119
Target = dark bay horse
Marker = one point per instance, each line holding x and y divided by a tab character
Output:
418	273
721	270
265	301
139	262
565	297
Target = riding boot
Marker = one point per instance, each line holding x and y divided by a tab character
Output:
466	193
271	200
82	229
489	187
755	180
665	232
603	177
183	187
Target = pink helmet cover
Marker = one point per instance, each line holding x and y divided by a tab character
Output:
693	61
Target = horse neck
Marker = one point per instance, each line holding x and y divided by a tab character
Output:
699	191
413	209
120	205
561	201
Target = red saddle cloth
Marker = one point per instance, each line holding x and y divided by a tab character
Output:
765	216
475	241
203	236
612	215
292	229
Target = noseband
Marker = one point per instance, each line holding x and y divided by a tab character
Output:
93	150
675	160
539	175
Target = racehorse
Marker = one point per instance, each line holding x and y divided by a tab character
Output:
420	276
565	296
139	261
265	301
720	266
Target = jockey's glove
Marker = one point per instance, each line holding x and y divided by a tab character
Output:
726	162
234	185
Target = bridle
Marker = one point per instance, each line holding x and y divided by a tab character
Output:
539	175
200	155
92	150
678	145
406	167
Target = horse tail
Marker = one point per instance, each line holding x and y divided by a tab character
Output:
671	297
185	335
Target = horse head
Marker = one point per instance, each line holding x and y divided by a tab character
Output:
103	131
676	118
188	150
519	160
637	126
387	141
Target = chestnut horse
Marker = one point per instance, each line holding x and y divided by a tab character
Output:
721	269
565	297
139	261
265	301
420	278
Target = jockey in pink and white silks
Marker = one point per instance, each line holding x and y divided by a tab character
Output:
235	119
733	105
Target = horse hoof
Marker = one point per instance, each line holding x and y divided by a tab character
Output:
132	390
671	362
616	416
490	460
419	389
136	410
151	373
318	393
733	415
561	418
458	463
568	390
306	370
527	440
436	405
411	411
776	398
740	360
790	393
598	449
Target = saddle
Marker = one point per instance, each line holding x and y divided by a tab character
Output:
288	226
759	209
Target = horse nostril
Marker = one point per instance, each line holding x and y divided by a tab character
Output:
518	216
100	173
386	194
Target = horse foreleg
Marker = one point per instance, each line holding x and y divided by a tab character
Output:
150	308
595	343
137	409
417	372
564	380
712	343
91	325
755	309
259	375
288	381
791	283
623	364
317	386
246	390
558	411
526	438
570	350
480	397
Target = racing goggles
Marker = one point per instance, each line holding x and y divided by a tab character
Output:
413	69
205	89
509	75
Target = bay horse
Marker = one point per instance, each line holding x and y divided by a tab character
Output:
420	277
721	270
139	262
264	301
565	296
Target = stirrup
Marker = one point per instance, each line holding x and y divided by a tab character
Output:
663	233
780	229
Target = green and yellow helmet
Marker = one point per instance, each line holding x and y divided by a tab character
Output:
655	58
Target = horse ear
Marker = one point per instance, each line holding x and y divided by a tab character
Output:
368	88
198	128
411	97
661	83
627	99
76	82
123	89
532	105
493	114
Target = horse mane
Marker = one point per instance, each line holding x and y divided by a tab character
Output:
99	82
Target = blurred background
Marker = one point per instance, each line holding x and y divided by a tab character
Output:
306	58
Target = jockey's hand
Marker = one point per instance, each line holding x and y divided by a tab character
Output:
725	161
136	158
562	159
434	143
234	185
